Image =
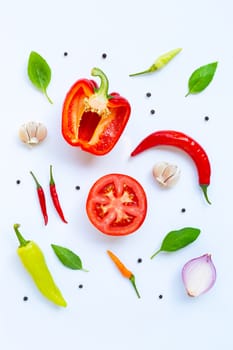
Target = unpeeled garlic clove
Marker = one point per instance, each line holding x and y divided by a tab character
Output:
199	275
166	174
32	133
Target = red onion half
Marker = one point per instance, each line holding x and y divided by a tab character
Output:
199	275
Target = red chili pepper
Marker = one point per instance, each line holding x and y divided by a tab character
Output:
54	196
185	143
41	197
91	118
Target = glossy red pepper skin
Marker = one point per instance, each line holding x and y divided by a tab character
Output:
92	119
55	198
41	197
185	143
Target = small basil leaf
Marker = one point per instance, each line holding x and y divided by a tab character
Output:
68	258
39	72
201	78
178	239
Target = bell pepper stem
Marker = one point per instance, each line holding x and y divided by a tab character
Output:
104	84
22	241
204	190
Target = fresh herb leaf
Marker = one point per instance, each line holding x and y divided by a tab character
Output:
178	239
201	78
68	258
39	73
160	62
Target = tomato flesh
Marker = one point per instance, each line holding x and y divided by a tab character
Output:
116	204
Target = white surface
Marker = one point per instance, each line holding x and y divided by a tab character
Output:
106	313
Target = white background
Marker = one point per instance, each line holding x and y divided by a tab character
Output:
105	313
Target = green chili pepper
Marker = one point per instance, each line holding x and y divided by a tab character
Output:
160	62
33	260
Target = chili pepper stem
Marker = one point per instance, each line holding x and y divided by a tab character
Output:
132	280
156	253
204	190
36	181
140	73
51	176
104	84
23	242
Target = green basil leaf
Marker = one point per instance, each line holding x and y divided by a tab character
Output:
68	258
201	78
39	72
178	239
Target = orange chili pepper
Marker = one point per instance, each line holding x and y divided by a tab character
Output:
124	271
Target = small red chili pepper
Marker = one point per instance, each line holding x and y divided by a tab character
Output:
54	196
41	197
91	118
185	143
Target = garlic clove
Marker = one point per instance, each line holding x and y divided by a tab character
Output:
166	174
32	133
199	275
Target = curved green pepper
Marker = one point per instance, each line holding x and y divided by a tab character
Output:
33	260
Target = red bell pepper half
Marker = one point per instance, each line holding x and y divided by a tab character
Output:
91	118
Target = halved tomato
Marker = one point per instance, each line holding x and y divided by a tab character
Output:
116	204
